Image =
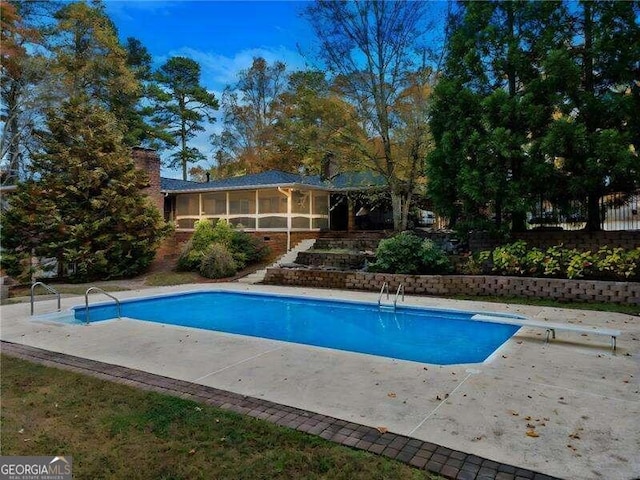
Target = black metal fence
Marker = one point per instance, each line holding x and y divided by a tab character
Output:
618	211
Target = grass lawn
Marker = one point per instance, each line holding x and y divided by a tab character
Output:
117	432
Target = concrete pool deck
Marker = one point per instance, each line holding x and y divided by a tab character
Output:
581	399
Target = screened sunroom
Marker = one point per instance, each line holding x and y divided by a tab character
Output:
270	201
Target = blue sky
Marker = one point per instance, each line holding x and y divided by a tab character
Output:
222	36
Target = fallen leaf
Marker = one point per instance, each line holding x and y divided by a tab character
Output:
532	433
382	429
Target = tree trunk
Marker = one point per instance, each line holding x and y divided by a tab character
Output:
594	220
396	205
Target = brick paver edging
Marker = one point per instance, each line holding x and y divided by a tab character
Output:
423	455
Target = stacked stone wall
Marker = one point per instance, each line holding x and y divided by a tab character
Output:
554	288
342	261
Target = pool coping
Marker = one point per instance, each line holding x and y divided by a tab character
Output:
437	459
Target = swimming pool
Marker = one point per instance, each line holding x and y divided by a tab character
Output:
424	335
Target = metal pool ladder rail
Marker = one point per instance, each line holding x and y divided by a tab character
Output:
385	288
86	301
400	290
50	289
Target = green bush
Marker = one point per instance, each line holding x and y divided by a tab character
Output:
247	249
433	259
218	262
244	248
409	254
557	261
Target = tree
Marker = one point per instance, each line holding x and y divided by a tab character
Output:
314	125
491	104
594	137
89	60
246	142
370	48
84	205
182	105
141	128
23	68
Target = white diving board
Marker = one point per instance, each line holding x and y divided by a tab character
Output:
549	326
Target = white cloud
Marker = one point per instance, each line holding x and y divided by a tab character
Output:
218	70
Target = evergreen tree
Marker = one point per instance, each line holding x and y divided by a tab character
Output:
84	206
594	136
141	128
182	105
491	105
89	61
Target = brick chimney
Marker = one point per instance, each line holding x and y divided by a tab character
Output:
148	161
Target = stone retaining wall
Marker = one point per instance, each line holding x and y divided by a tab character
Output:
347	243
553	288
343	261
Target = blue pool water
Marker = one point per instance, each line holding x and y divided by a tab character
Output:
435	336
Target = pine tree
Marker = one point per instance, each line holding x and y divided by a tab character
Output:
182	105
85	206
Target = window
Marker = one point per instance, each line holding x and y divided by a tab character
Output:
214	203
300	201
272	222
243	222
321	204
188	204
271	201
300	222
242	202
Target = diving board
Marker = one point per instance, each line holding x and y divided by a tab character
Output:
550	327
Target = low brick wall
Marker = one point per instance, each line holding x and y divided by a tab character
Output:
554	288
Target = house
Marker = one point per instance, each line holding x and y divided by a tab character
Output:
276	206
272	201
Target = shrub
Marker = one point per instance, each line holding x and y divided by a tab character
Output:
398	254
218	262
409	254
557	261
247	249
508	259
244	248
433	259
190	258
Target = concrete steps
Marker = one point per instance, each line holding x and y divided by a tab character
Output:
289	257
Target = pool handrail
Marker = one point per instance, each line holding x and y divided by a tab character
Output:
400	289
49	288
86	302
385	287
